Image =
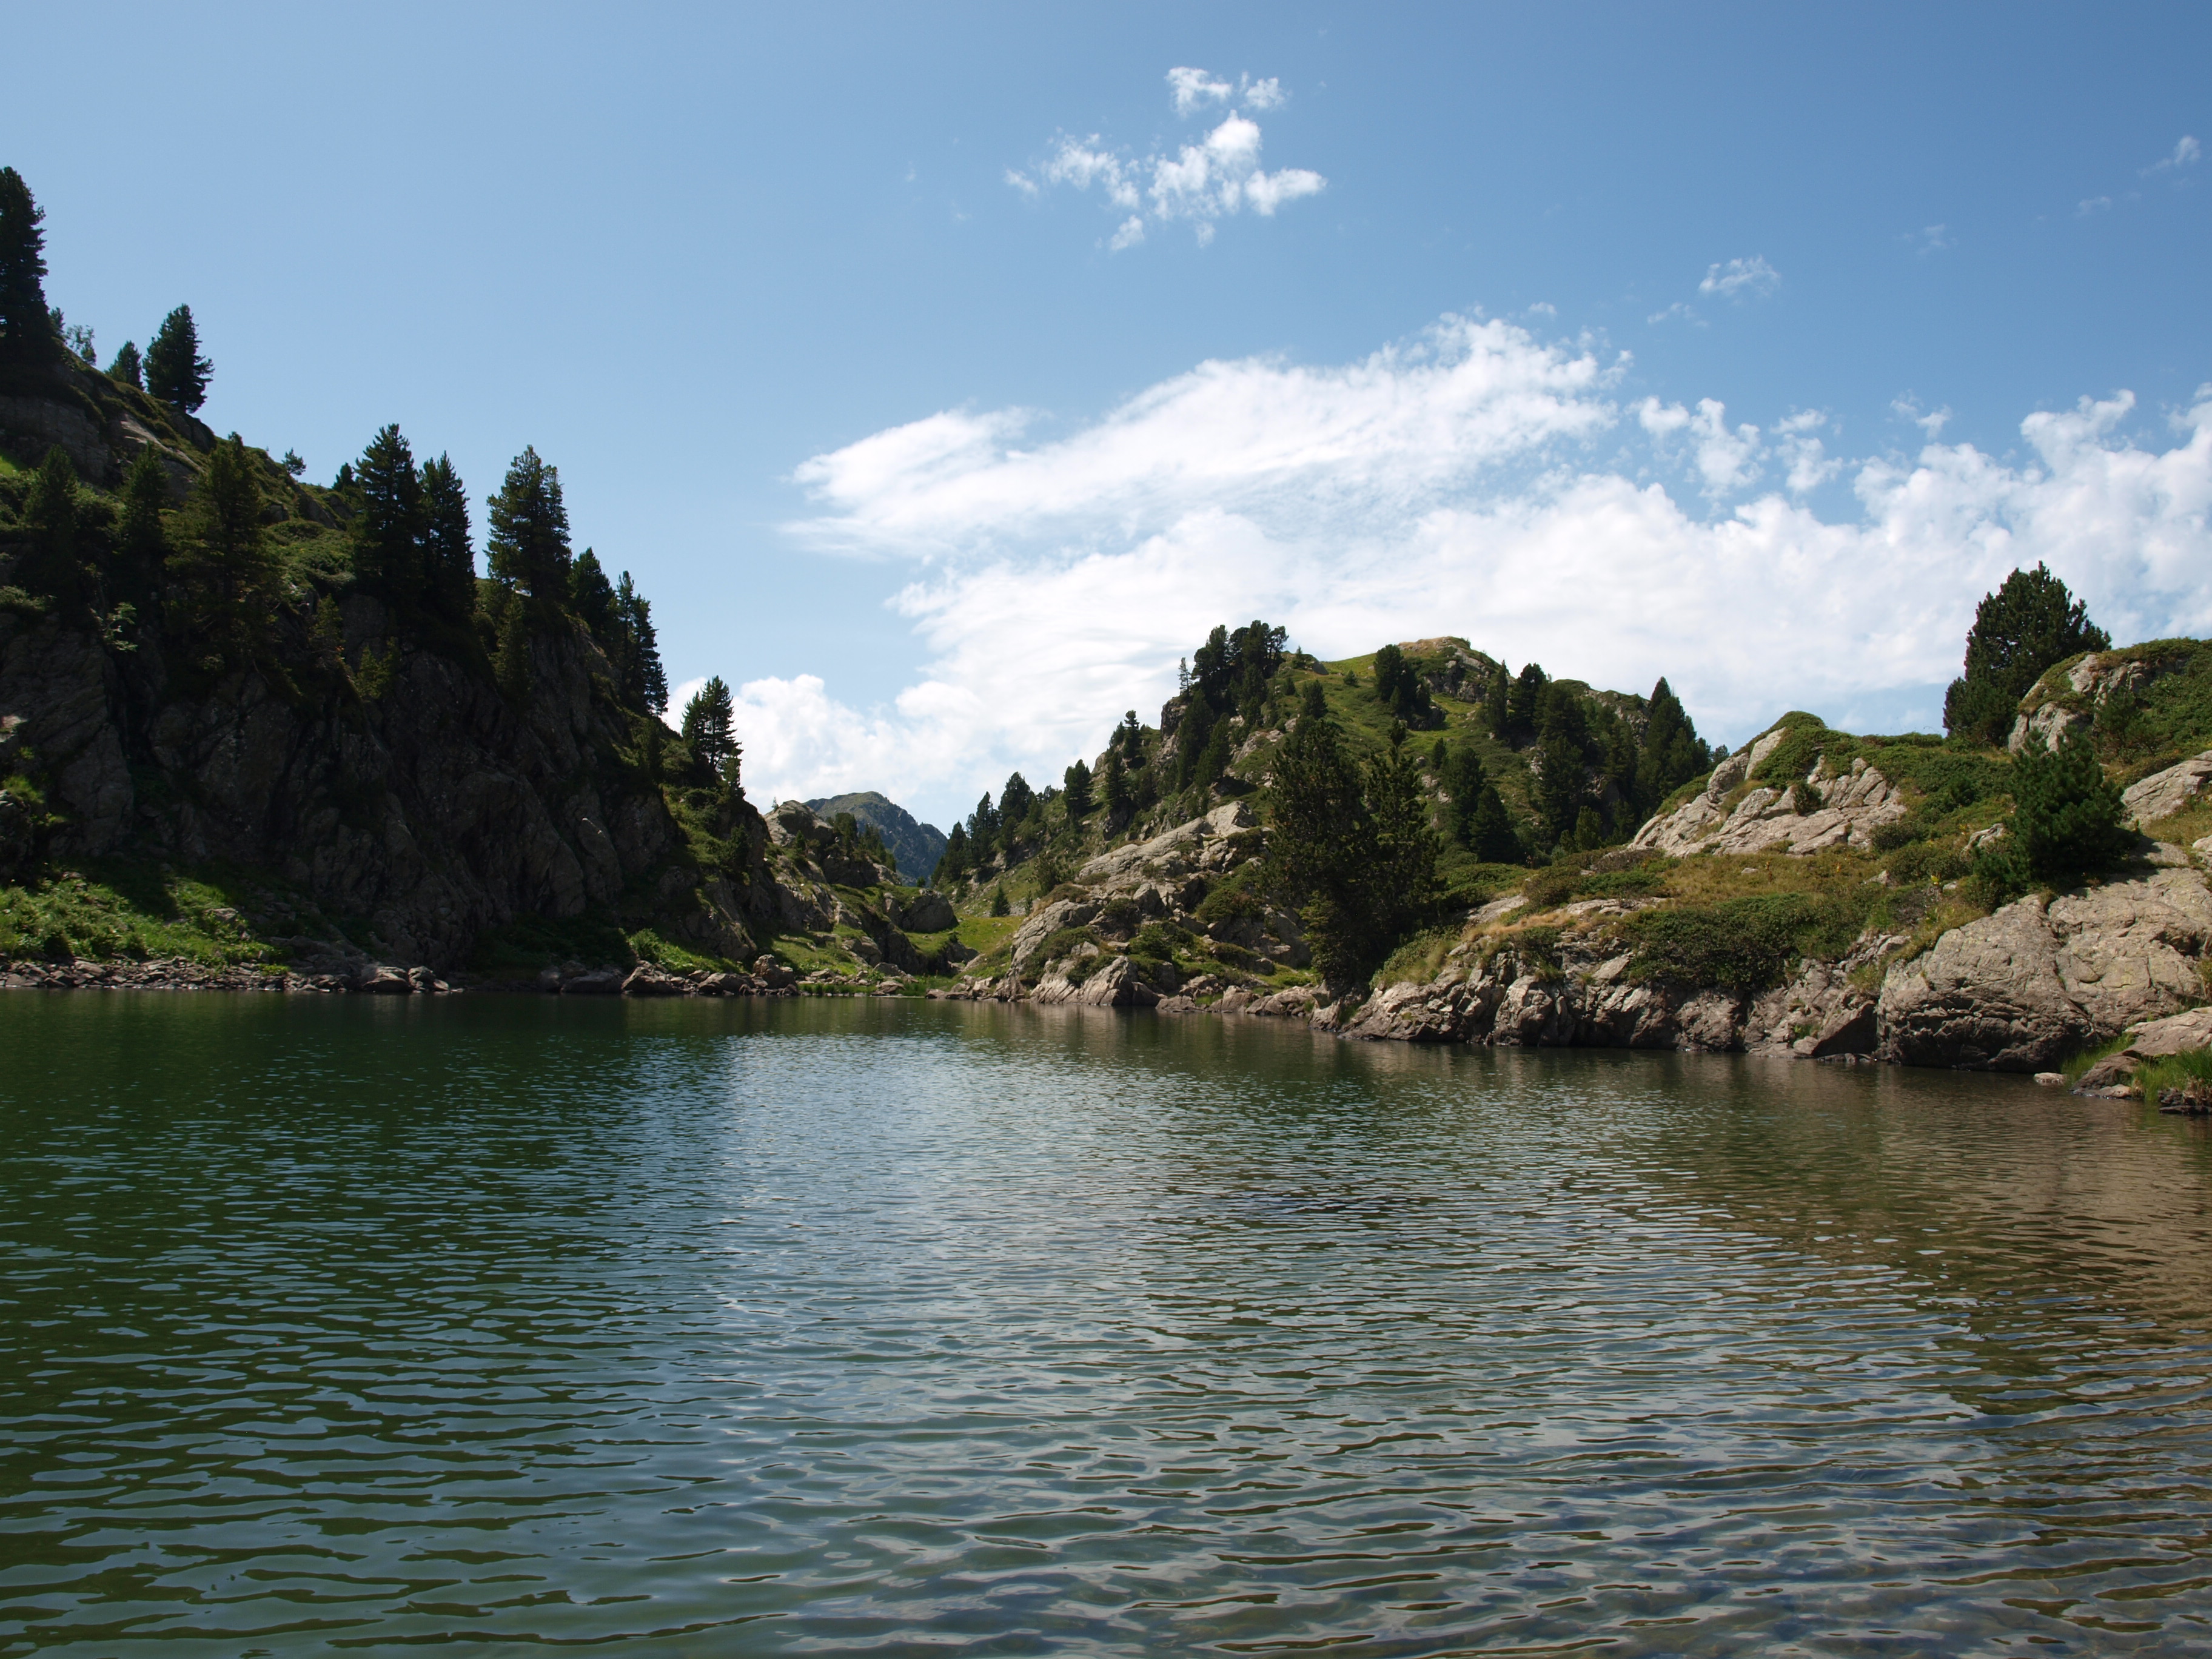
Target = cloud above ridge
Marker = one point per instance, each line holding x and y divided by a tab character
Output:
1478	481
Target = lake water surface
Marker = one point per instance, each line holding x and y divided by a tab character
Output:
891	1328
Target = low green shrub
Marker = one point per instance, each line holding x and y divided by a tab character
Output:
1744	945
1922	862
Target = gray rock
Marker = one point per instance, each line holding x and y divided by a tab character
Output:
2164	794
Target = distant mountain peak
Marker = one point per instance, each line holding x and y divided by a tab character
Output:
916	847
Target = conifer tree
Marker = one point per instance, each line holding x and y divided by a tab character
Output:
1399	878
528	545
388	531
1320	841
512	667
2031	622
1493	702
25	323
1524	704
1113	788
983	831
225	562
175	371
449	561
55	569
646	683
141	543
1015	801
1000	907
1075	782
952	862
1191	737
2068	817
592	596
709	724
126	369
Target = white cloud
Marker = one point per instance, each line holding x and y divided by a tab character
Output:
1807	458
1741	277
1725	460
1931	421
1190	88
1543	308
1681	308
1216	177
1468	483
1269	94
2185	154
1933	239
2090	204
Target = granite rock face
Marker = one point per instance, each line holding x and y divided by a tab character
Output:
2164	794
1850	806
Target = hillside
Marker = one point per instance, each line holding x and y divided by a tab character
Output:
915	847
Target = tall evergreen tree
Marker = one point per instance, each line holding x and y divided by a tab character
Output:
983	830
388	531
1075	783
1494	702
175	371
1113	788
449	561
141	543
1320	841
127	369
592	596
1524	704
528	546
25	323
952	862
644	681
1192	737
2029	623
1399	878
709	724
225	562
55	570
1015	801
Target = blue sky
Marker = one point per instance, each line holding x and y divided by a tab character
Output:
820	314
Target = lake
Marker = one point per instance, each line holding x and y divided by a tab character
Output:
900	1327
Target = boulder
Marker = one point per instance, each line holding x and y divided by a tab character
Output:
2162	794
647	981
594	982
2063	698
927	912
2018	990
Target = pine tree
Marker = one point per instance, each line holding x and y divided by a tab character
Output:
449	561
1398	880
1191	737
2068	817
388	531
592	596
512	668
55	569
1076	783
1319	842
1524	704
1494	700
225	562
710	728
982	830
127	369
1016	799
1490	834
175	371
528	546
1114	788
1000	907
25	323
2029	623
643	682
952	862
141	543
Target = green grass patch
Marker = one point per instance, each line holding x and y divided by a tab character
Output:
122	911
2174	1071
647	944
1419	960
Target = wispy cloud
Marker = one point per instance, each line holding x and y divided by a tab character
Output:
2185	154
1217	177
1739	279
1474	481
2089	204
1931	238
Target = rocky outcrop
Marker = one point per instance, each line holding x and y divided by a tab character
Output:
1832	809
2073	692
2162	794
2018	990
